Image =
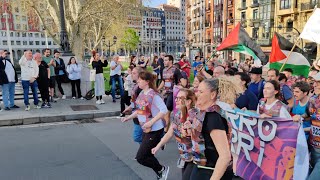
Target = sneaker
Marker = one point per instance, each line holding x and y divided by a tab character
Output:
43	105
82	98
102	101
48	105
52	99
27	108
37	107
7	109
114	101
73	97
122	115
64	97
14	107
163	174
98	102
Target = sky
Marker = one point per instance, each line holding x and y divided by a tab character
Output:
154	3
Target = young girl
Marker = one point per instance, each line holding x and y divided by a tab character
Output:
181	129
197	80
74	70
98	65
150	110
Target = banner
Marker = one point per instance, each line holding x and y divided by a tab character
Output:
311	30
267	148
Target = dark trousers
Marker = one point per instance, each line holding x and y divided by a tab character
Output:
125	100
43	86
75	83
187	170
205	174
144	155
59	79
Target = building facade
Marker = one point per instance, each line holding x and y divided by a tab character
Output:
153	31
208	28
25	31
175	29
291	17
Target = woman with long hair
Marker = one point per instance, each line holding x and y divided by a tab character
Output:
150	110
197	80
156	69
74	70
133	60
211	132
99	88
180	128
270	105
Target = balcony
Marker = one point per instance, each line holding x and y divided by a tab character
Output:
254	4
230	21
230	3
264	42
208	41
242	7
309	6
207	24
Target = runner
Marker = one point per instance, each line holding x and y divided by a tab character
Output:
181	129
150	111
270	105
171	77
137	131
210	131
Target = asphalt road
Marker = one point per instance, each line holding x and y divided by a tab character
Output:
60	151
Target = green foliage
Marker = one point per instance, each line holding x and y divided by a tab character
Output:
130	39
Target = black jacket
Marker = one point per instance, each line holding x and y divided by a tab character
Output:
3	75
59	67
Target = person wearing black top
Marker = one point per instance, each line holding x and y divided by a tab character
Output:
60	70
43	80
99	88
212	145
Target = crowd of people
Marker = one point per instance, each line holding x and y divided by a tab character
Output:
163	104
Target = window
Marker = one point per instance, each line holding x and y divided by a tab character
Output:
43	43
12	42
18	42
49	43
37	43
11	34
18	26
24	18
36	35
5	42
285	4
25	43
30	35
255	14
17	34
24	34
289	25
31	43
243	15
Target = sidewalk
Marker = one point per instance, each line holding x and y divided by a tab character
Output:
62	110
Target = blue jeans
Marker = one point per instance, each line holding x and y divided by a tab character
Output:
315	162
137	133
113	80
34	88
8	94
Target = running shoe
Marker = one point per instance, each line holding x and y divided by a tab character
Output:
163	174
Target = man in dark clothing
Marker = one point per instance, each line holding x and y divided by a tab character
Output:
60	71
161	62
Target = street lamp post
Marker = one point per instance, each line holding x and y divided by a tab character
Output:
9	36
109	45
64	41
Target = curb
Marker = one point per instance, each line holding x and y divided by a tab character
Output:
57	118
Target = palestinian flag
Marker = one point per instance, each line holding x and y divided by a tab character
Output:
281	48
239	41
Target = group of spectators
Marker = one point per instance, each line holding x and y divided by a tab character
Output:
38	72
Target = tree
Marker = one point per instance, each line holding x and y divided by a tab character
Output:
130	40
87	21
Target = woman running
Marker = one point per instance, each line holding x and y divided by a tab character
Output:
180	127
150	110
211	132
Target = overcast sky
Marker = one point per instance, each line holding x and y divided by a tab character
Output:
154	3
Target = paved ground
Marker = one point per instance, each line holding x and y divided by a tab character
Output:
95	151
60	111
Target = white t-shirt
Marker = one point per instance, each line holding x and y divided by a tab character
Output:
9	71
283	111
117	70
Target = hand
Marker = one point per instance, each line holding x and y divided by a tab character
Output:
51	62
296	118
244	109
155	150
124	119
265	116
32	80
233	106
147	125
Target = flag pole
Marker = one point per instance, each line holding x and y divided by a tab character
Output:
295	44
